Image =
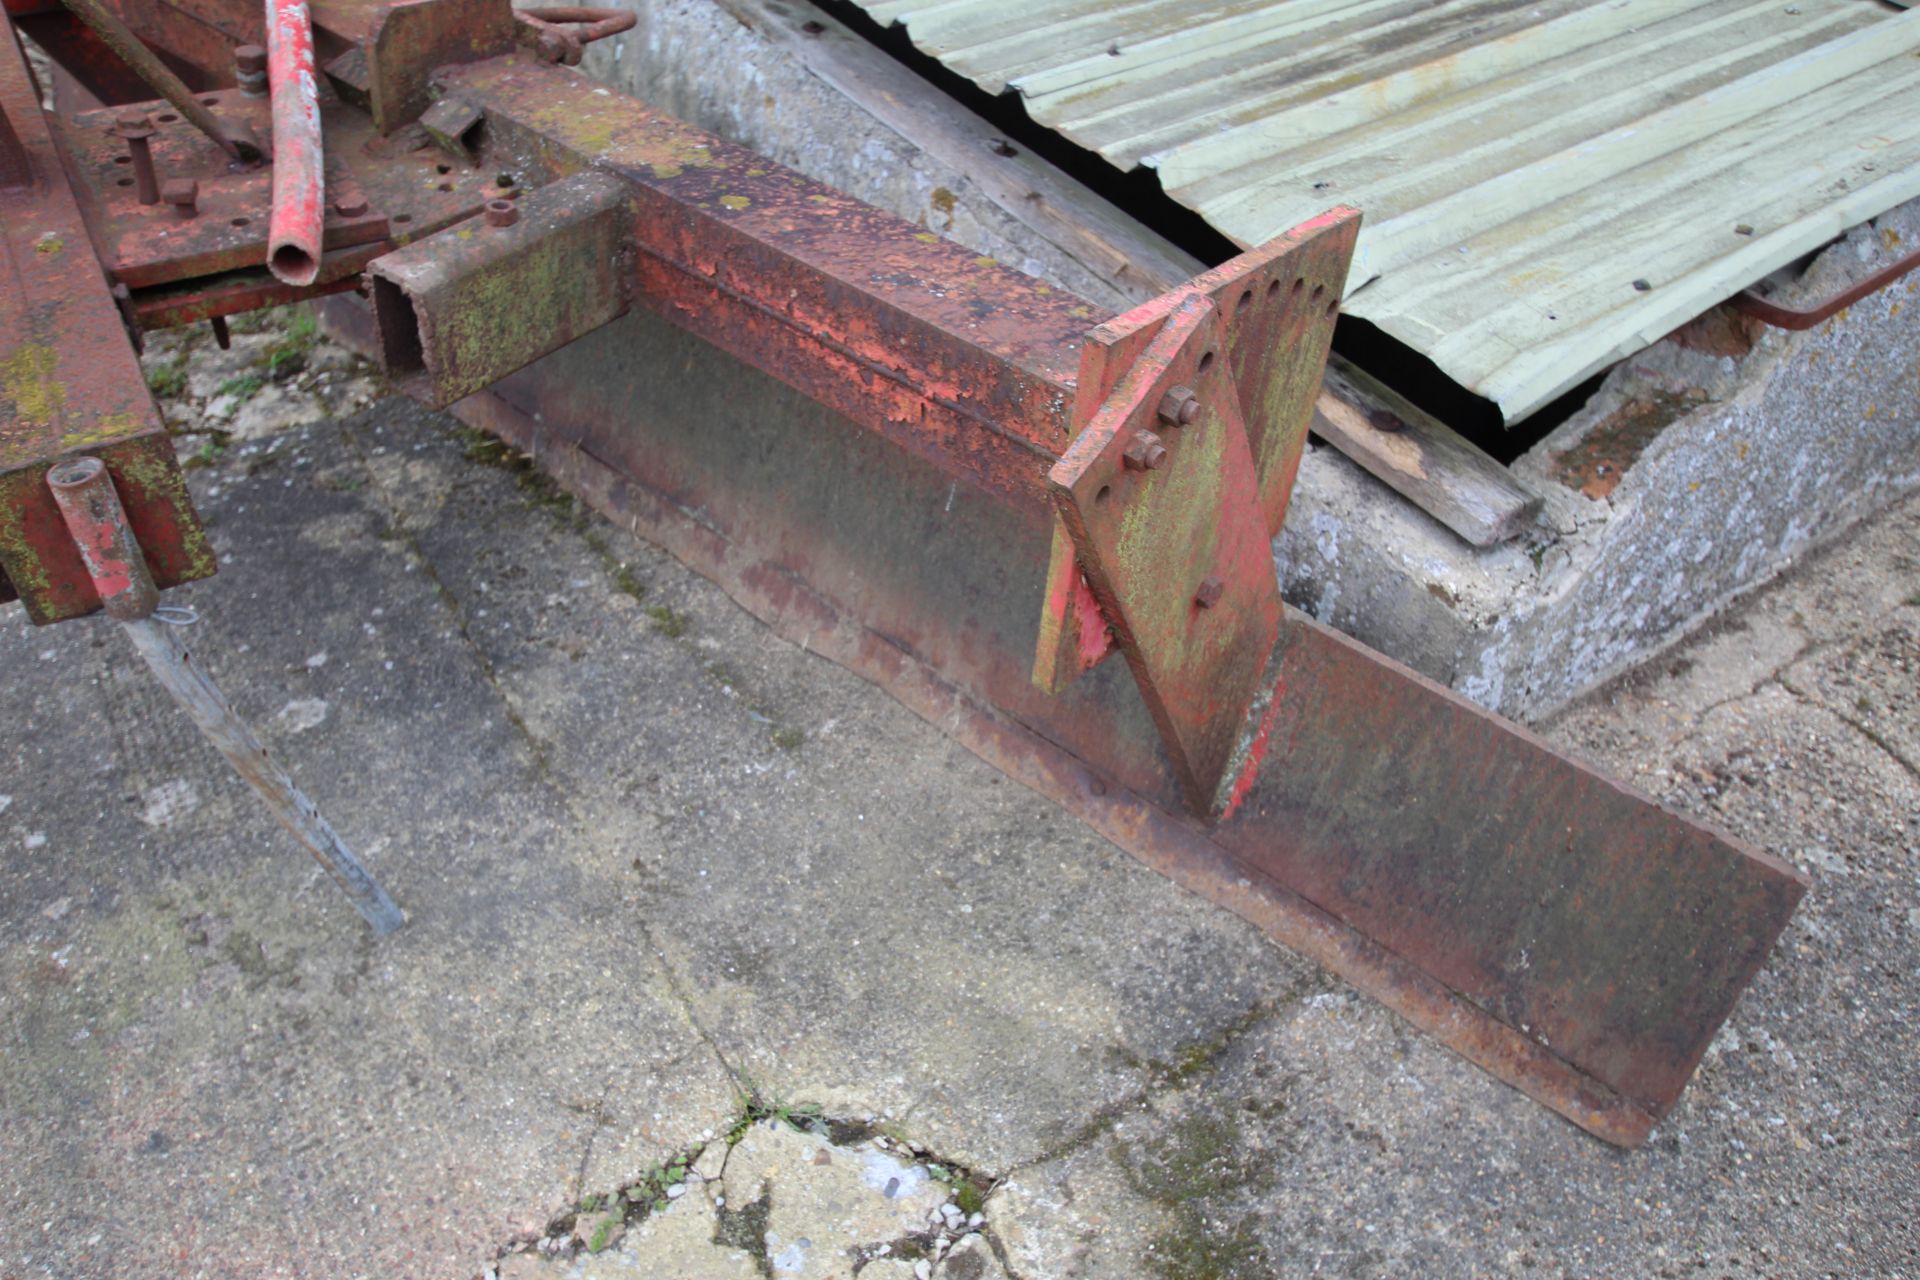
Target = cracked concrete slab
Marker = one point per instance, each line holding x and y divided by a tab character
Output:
657	860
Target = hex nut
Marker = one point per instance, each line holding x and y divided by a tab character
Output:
183	194
1145	452
1179	407
502	213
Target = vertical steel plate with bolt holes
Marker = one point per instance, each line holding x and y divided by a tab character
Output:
1163	503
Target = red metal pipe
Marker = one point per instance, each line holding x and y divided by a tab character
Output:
299	195
91	508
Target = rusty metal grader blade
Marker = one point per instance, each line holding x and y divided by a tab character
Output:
1553	926
1567	934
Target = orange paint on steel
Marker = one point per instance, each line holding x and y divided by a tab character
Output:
299	183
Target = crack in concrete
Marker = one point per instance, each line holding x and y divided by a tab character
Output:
538	749
1195	1061
1872	735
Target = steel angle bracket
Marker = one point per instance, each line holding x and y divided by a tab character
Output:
1276	304
1160	495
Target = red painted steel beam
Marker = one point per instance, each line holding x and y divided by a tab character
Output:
69	382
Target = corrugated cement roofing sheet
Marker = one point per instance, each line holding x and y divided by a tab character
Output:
1547	187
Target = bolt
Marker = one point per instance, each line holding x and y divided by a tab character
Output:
350	203
135	128
1145	452
183	194
502	213
1179	407
250	70
1209	593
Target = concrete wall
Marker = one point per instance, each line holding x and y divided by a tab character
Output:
1768	452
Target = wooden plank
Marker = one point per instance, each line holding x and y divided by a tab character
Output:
1420	458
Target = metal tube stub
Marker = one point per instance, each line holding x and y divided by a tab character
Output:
299	181
84	492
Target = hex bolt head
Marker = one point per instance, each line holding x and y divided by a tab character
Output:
502	213
1209	593
133	124
1145	452
183	194
1179	407
350	204
250	59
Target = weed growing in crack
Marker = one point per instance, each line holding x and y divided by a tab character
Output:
242	387
668	623
211	449
541	491
287	354
654	1188
168	379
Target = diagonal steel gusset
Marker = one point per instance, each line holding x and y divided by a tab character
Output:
1161	496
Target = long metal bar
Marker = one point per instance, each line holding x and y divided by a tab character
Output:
299	181
160	78
91	509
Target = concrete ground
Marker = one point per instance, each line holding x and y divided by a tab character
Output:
674	883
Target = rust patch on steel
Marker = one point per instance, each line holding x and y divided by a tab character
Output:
1600	926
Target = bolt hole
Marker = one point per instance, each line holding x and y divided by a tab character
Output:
1273	290
1206	362
1319	292
1299	285
443	168
168	118
504	181
1246	296
209	102
241	222
1106	491
403	217
813	28
1333	305
1001	147
446	186
124	182
123	159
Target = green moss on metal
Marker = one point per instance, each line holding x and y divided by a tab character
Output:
27	383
